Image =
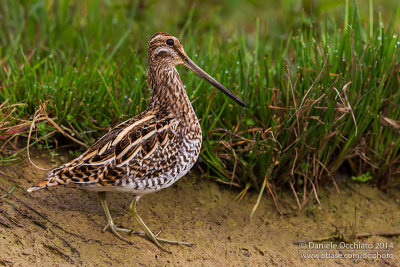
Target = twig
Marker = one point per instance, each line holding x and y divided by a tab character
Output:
241	194
35	117
330	175
235	163
229	183
314	82
348	105
273	197
259	196
295	194
315	191
64	133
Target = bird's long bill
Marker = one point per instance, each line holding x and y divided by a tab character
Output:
196	69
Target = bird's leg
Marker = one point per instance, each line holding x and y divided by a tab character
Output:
149	233
110	222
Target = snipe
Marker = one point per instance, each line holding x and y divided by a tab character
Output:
150	151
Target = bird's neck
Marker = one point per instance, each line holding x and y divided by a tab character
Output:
168	92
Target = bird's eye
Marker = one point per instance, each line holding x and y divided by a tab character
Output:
170	42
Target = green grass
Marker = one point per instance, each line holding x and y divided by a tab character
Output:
321	80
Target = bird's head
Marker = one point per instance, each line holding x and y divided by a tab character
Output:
166	50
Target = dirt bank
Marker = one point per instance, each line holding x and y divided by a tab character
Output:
63	225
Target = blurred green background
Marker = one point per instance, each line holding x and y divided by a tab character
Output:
90	26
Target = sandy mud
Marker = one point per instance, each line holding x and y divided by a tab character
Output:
63	226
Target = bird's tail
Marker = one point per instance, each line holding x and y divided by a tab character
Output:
51	181
66	174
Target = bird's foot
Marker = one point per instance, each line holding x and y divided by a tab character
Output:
157	240
152	237
114	229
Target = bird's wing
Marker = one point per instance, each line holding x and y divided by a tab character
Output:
107	159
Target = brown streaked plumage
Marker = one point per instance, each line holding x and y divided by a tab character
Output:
150	151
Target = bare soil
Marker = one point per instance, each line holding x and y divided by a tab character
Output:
63	226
